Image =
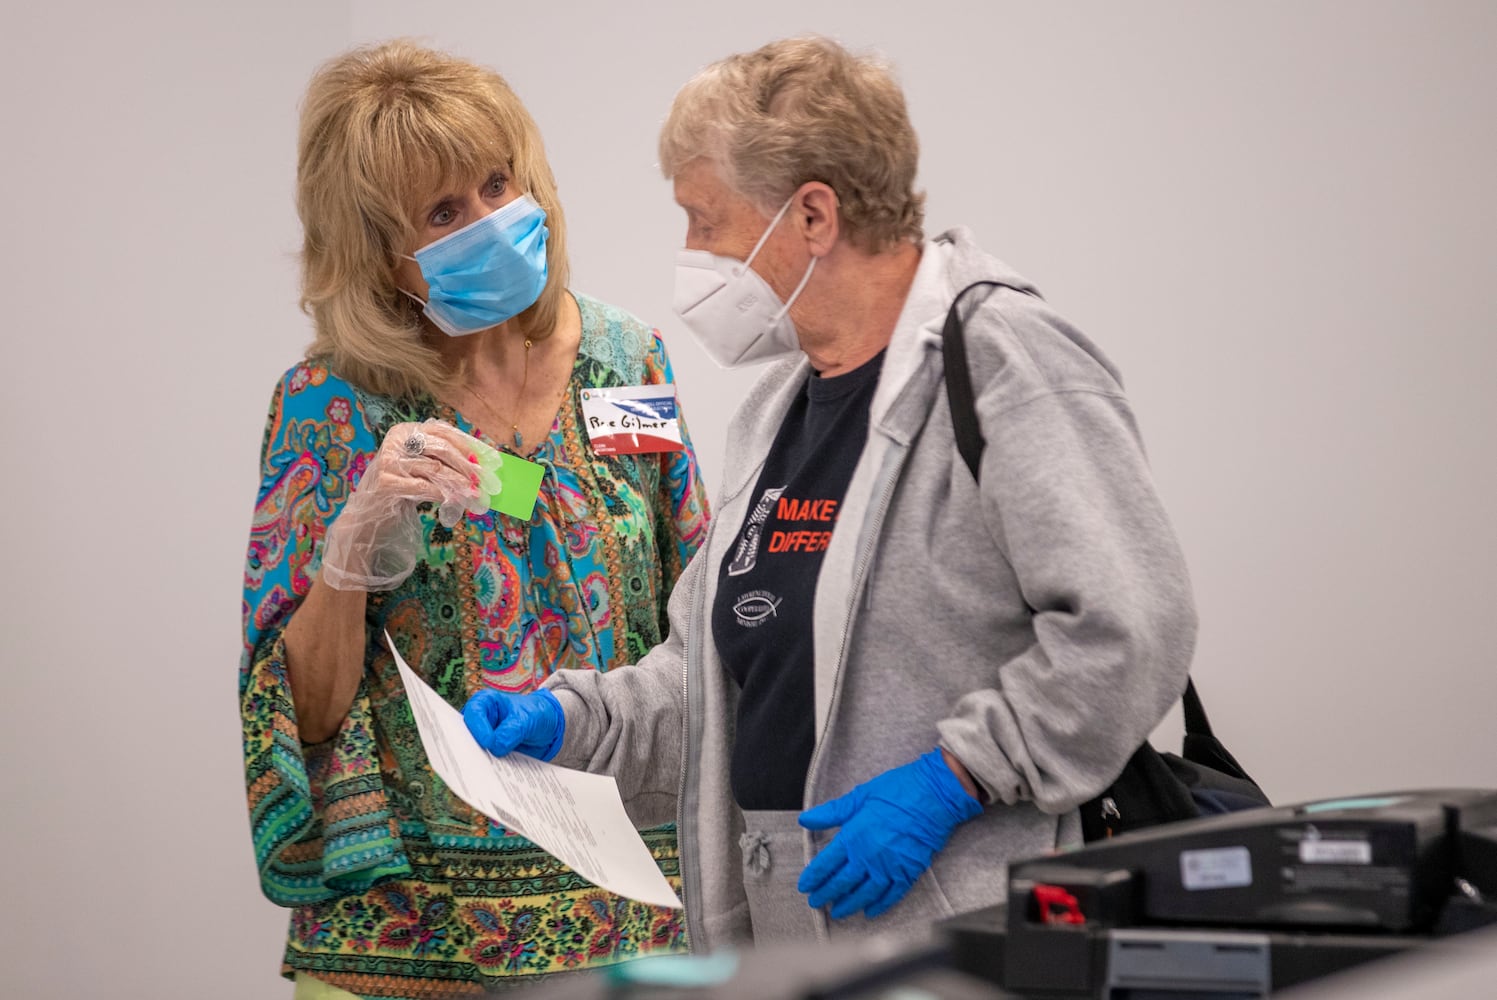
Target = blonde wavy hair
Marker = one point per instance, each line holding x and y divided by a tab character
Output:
383	128
798	110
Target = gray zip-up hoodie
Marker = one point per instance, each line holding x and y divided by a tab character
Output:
1038	629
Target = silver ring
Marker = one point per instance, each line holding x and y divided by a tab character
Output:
415	445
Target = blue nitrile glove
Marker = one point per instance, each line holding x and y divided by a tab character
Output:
502	723
892	827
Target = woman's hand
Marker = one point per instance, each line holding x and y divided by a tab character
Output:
892	827
373	544
531	724
376	539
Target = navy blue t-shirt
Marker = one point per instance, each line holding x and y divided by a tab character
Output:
762	618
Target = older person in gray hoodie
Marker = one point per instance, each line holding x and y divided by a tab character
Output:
883	681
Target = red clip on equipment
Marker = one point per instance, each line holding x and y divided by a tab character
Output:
1057	906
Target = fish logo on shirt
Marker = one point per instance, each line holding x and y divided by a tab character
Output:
756	607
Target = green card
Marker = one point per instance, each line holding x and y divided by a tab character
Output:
520	484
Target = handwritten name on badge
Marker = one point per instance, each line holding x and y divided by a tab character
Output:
631	419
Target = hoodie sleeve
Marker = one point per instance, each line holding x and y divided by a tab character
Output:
629	723
1066	492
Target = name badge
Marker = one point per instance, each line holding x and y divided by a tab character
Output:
631	419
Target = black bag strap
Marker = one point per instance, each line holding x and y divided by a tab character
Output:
969	440
1196	723
970	444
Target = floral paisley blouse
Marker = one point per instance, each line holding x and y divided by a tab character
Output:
398	888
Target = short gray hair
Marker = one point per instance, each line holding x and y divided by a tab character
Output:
799	110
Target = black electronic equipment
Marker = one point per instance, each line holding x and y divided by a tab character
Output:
1241	904
1382	863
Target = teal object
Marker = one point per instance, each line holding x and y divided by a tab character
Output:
676	970
1371	803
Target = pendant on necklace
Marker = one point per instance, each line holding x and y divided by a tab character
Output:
524	379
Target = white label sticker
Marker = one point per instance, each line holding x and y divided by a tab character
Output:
1218	868
1335	852
632	419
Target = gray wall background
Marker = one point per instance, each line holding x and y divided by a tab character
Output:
1276	218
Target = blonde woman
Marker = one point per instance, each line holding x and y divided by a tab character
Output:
435	270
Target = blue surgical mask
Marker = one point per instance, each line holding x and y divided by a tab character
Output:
487	272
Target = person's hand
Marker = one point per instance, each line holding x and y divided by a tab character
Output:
532	724
892	827
376	539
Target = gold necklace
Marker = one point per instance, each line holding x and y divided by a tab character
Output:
519	397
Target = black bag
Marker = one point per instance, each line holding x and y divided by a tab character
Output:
1154	787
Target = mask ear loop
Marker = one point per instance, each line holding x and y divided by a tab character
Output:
410	295
796	294
765	238
760	245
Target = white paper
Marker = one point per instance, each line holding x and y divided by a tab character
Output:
575	816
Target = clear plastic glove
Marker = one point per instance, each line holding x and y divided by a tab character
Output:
532	724
892	827
376	539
